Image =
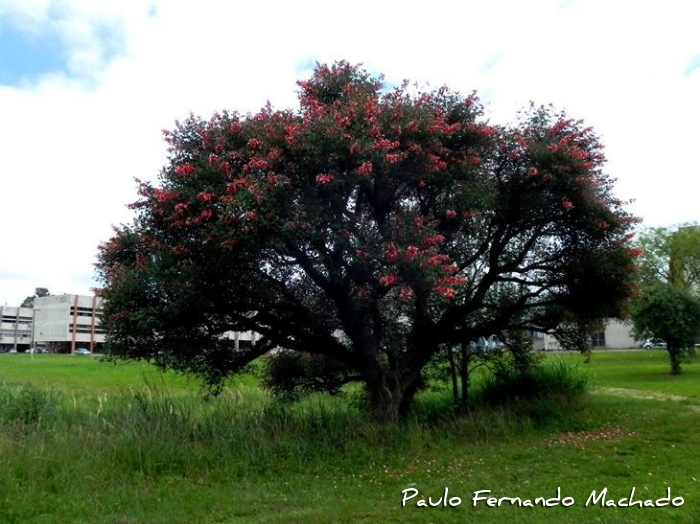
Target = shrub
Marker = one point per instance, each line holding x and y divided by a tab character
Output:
552	378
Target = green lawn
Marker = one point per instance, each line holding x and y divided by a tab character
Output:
124	444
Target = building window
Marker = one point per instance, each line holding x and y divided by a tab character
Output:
598	339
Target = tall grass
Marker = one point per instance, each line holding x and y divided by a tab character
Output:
553	377
155	454
26	404
150	432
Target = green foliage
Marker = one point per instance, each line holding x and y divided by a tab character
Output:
164	456
290	376
670	255
38	292
26	404
671	314
510	380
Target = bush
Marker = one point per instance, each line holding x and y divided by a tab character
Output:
552	378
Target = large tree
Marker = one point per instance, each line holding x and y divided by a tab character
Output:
670	255
371	226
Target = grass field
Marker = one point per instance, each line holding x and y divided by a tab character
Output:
86	442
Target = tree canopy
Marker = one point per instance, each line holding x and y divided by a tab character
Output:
671	255
372	225
671	314
38	293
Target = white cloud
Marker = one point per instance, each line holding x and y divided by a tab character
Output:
73	144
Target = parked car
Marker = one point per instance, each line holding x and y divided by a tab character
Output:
652	343
82	351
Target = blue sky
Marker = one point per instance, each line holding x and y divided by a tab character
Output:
27	57
86	86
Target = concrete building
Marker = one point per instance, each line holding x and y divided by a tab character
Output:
617	334
70	321
15	328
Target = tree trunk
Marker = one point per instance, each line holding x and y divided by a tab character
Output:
453	374
674	353
465	375
391	395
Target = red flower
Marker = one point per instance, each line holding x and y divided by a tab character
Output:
324	178
532	171
438	259
411	252
393	158
365	169
184	170
388	280
206	214
445	291
204	196
391	253
433	240
406	293
567	204
450	213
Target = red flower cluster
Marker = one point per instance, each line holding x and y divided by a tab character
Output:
433	240
388	280
445	291
406	293
365	169
392	253
184	170
324	178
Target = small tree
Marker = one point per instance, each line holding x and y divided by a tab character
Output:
38	293
670	314
372	226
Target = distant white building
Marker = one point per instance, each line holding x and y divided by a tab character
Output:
15	328
617	334
68	319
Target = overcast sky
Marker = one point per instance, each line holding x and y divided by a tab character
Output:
86	86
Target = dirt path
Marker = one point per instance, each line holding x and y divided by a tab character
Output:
635	393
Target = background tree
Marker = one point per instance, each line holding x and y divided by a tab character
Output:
371	226
671	314
38	292
670	255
